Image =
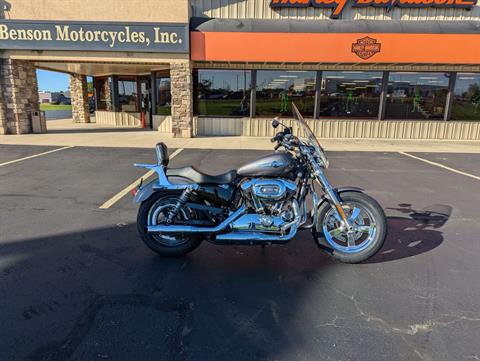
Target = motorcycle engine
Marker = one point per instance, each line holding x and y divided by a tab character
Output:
271	201
269	196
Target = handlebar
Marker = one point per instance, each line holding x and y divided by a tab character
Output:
285	138
278	137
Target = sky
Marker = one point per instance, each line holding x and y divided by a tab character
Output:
52	81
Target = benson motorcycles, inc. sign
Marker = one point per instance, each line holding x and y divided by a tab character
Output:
338	6
110	36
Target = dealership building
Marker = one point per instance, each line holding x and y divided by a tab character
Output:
405	69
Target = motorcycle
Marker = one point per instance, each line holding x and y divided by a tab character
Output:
262	203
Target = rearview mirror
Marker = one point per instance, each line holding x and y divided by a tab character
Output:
275	123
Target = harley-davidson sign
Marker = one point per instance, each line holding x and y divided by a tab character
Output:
338	6
366	47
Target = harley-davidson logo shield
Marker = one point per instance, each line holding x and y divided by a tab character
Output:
366	47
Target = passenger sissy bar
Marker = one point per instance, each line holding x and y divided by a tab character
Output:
158	168
161	151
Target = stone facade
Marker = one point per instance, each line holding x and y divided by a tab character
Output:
79	95
182	98
18	96
3	108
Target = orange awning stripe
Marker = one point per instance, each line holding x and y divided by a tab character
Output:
335	48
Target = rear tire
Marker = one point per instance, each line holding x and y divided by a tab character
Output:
165	246
366	242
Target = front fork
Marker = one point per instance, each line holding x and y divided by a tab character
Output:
332	196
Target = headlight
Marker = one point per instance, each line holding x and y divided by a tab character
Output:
320	154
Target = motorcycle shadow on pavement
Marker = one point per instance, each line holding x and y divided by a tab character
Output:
102	287
418	233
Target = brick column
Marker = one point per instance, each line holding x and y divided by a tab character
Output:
182	98
19	96
79	95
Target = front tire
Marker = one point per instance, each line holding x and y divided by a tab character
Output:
151	212
367	237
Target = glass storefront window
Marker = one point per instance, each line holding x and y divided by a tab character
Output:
103	92
276	90
350	94
222	92
416	95
127	95
164	96
466	102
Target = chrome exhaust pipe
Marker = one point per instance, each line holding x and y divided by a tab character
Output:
246	237
166	229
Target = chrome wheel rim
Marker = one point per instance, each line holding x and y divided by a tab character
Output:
157	215
359	238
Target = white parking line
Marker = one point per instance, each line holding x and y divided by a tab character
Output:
35	156
112	201
441	166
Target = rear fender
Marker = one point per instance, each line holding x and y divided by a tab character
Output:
148	189
145	191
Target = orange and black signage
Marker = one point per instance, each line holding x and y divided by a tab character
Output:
335	48
338	6
366	47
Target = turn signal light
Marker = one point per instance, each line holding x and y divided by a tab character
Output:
134	192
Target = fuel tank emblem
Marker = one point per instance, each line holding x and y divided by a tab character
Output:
274	164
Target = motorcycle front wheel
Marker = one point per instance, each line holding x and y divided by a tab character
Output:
364	240
154	211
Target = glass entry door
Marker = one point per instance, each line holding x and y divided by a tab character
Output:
144	99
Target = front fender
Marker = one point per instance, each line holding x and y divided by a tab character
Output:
348	189
145	191
338	191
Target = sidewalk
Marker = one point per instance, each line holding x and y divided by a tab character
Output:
64	133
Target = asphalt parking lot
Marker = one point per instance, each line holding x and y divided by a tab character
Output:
76	283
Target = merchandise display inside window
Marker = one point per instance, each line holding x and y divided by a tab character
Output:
350	94
276	90
413	95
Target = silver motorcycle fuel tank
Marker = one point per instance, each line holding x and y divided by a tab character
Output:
278	164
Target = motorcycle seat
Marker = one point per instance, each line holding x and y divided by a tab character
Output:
195	176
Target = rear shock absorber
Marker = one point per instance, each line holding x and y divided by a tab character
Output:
182	201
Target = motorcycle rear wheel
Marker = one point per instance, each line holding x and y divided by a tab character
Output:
365	241
152	212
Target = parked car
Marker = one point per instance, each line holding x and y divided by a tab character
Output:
62	100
